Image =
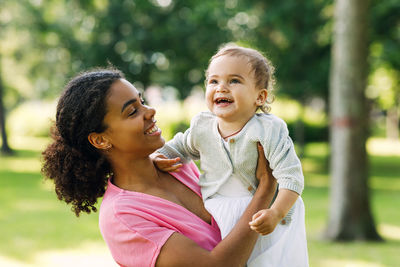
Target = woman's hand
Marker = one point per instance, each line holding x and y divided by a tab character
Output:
165	164
264	172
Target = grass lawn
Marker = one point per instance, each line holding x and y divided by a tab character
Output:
38	230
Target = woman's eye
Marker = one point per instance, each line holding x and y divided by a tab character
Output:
142	101
212	81
132	112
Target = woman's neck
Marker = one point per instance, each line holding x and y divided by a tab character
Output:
135	174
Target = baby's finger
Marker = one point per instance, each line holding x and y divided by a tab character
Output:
259	229
256	220
264	231
174	168
165	163
169	161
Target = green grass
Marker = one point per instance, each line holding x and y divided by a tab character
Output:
385	200
33	221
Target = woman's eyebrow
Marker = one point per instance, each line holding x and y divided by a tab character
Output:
127	103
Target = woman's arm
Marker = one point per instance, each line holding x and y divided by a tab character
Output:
236	248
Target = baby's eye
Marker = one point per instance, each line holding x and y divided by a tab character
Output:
212	81
235	81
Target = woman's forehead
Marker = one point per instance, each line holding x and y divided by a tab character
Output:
120	92
122	87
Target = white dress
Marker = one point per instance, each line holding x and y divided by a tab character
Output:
285	246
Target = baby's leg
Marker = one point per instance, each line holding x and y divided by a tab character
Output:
226	211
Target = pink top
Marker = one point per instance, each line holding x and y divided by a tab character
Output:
136	225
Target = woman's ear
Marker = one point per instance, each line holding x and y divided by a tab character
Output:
261	97
99	141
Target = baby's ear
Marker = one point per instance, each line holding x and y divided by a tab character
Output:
261	97
99	141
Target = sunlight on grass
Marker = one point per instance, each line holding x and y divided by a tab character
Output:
383	147
29	143
348	263
35	205
389	231
47	185
20	164
88	254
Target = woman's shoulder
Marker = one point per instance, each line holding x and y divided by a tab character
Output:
189	175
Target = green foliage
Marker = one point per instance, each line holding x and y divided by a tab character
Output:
167	45
385	54
312	132
385	31
170	43
180	126
296	36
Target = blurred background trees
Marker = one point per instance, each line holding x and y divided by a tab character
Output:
167	44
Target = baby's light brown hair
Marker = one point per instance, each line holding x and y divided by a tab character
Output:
261	66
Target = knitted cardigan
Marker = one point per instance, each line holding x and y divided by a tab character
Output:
203	141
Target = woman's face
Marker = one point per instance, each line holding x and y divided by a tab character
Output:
131	128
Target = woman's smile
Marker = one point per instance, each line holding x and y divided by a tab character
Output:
153	130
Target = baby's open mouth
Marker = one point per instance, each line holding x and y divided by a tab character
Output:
223	100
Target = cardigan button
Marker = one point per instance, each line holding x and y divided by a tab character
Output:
283	222
232	141
250	188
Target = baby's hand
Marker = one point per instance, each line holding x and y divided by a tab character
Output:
265	221
165	164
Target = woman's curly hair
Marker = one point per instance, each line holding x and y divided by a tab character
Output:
79	170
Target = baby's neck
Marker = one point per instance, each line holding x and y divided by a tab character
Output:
228	129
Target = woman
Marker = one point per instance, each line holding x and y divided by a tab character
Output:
103	138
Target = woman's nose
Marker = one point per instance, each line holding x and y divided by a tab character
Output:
149	113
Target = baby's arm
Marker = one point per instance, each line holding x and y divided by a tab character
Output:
180	147
265	221
279	150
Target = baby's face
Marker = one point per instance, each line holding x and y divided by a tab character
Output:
231	92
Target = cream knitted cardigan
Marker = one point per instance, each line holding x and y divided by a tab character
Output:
203	141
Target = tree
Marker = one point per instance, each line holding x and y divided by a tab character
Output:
5	148
350	215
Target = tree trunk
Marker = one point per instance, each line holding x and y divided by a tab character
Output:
350	216
392	123
5	148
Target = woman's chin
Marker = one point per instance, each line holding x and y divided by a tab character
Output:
160	142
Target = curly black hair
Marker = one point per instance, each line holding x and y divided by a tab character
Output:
79	170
